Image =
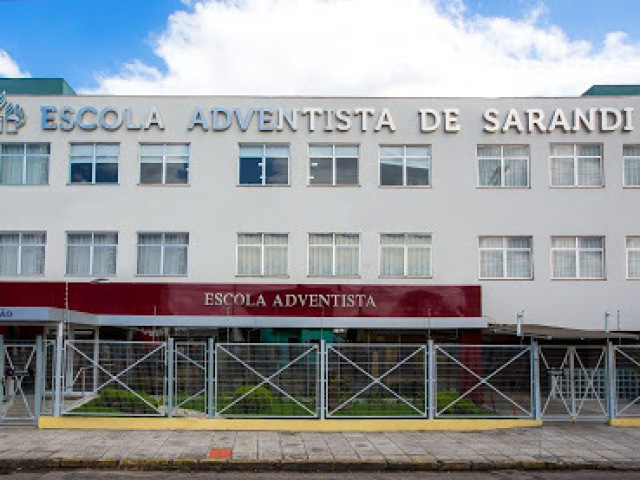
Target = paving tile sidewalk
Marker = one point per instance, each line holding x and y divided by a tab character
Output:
559	445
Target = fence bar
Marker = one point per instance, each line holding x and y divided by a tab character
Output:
57	381
323	378
170	376
37	405
535	380
431	379
215	381
611	380
211	353
2	354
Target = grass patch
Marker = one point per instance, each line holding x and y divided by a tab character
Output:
114	401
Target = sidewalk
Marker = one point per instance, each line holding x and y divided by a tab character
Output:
552	446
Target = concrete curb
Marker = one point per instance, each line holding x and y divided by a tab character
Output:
193	464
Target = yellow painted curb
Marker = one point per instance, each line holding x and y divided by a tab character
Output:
624	422
290	425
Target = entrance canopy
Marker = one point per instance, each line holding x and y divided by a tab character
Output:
543	332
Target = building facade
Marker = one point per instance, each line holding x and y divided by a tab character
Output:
313	213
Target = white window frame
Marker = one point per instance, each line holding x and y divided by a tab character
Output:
577	249
94	162
405	253
263	247
502	159
624	166
575	157
20	246
163	245
334	169
165	160
405	157
628	250
334	249
23	156
91	246
505	249
263	161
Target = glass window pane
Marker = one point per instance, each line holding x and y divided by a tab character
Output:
276	239
590	150
562	172
37	171
277	151
392	261
251	151
589	171
32	261
631	150
275	261
491	264
11	171
320	239
347	239
490	173
38	149
633	242
33	238
249	260
418	239
9	239
518	264
176	238
391	171
346	151
418	172
104	260
346	171
13	148
491	242
179	149
81	173
320	151
175	261
516	151
391	151
8	259
346	261
106	173
249	239
151	173
419	262
320	261
489	151
151	149
277	171
633	260
105	238
107	149
591	242
562	150
632	172
177	173
423	151
149	238
519	242
516	173
564	264
392	239
78	260
151	159
591	264
321	171
563	242
79	239
149	260
82	149
250	171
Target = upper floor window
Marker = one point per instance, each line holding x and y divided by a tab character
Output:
24	164
503	166
164	164
577	257
22	253
162	253
91	254
576	165
631	159
262	254
405	255
405	165
633	257
505	257
334	254
331	165
94	162
263	165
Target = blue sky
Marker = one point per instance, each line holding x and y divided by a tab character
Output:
111	46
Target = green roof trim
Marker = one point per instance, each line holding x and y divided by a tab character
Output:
35	86
615	90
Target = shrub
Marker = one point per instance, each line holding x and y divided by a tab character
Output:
258	401
112	400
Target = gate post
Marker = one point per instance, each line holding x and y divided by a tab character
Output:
2	354
211	352
38	380
57	384
323	377
431	379
170	379
535	380
611	385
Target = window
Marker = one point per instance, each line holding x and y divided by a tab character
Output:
262	254
334	254
94	162
22	253
633	257
505	257
577	257
405	166
631	159
164	164
91	253
24	164
405	255
503	166
333	164
576	165
263	165
162	253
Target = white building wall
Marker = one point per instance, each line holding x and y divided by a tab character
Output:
213	209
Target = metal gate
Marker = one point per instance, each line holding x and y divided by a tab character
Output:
376	380
267	380
21	370
190	392
627	380
573	382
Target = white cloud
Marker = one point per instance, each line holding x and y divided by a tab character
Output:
9	67
368	48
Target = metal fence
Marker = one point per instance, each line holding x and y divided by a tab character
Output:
316	380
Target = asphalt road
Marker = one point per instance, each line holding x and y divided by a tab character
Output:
501	475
